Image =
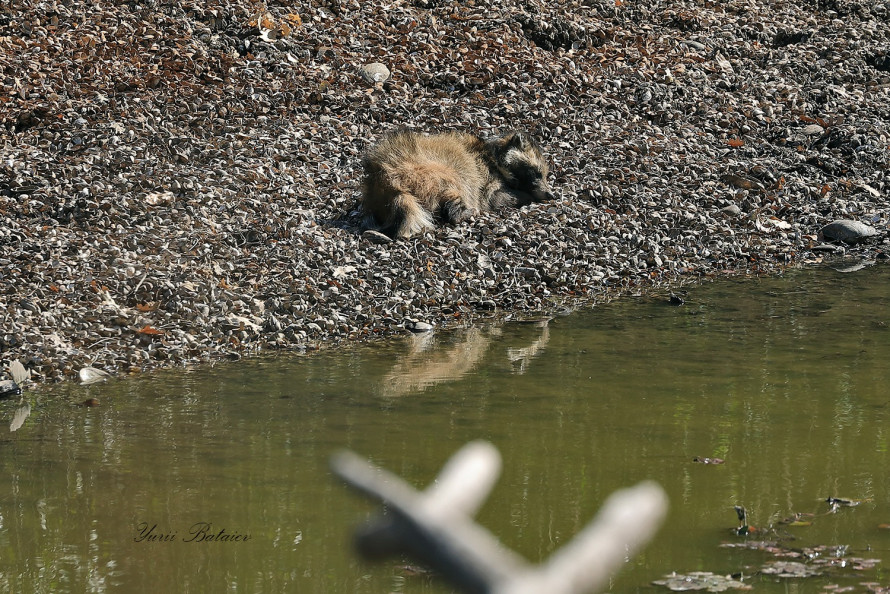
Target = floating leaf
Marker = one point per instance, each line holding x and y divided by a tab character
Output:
798	517
790	569
834	557
706	460
836	589
701	580
797	520
768	546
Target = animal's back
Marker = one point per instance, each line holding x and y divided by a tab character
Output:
409	177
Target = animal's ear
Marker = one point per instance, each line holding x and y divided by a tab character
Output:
518	140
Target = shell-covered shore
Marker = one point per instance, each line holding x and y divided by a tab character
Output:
179	181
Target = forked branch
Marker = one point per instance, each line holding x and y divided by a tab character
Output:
436	527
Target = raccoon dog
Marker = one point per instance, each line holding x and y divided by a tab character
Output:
412	180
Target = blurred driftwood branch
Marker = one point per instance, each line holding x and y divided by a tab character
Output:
436	527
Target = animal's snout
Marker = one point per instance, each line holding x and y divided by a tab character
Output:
542	193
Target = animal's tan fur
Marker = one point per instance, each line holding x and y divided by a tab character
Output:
411	179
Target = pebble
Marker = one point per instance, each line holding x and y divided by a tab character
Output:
418	326
91	375
847	231
9	388
376	237
374	73
813	130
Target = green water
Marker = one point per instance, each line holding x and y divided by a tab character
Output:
784	378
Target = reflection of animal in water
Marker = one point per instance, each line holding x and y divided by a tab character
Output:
427	366
430	363
525	355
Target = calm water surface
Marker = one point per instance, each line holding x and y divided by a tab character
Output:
784	378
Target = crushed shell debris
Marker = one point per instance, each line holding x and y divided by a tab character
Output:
179	180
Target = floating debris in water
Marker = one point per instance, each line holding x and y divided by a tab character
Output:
798	519
744	529
808	561
836	503
790	569
701	581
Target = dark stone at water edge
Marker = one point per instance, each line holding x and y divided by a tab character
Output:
418	326
9	388
847	231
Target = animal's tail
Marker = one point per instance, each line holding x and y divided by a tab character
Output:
407	217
